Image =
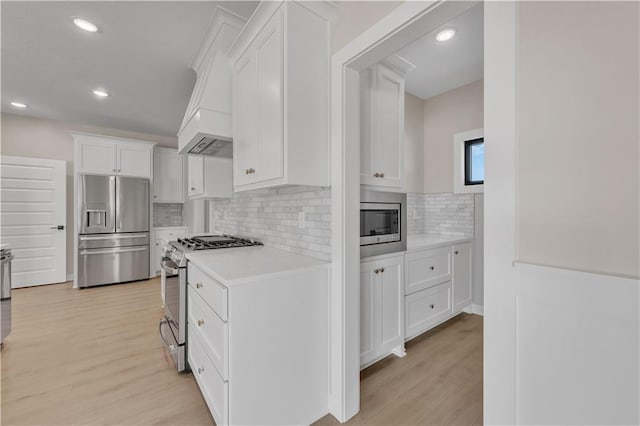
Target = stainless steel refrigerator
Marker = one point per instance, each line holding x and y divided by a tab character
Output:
113	237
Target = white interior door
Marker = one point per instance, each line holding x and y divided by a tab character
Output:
32	208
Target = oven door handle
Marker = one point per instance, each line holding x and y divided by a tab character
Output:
171	269
172	348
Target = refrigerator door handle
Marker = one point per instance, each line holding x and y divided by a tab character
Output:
117	203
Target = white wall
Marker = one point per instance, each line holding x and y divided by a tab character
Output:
38	138
413	144
452	112
561	346
578	192
354	17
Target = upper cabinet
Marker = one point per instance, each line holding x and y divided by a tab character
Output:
168	173
281	124
105	155
382	123
209	177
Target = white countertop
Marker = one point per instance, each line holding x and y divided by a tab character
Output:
424	241
243	264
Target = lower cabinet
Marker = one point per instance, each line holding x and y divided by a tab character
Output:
437	287
381	309
258	348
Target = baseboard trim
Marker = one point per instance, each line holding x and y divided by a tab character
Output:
477	309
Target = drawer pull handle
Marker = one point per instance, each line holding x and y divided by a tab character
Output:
382	270
198	285
376	271
200	323
432	267
432	306
200	370
381	175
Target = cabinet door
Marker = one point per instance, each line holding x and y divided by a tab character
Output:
389	101
245	117
391	303
196	175
462	276
367	121
167	176
368	302
269	56
134	160
97	157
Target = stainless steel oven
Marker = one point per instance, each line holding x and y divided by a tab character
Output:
172	326
382	222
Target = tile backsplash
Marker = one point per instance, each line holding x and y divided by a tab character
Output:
167	215
273	217
445	214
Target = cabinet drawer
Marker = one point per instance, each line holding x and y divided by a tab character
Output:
427	268
211	291
213	388
211	330
427	308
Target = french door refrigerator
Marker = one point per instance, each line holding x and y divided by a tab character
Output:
113	223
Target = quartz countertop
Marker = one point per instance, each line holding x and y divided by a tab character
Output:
425	241
243	264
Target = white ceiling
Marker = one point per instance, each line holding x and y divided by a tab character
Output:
141	56
443	66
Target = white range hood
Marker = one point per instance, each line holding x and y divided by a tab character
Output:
207	125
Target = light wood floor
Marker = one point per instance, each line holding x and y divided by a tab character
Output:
438	382
93	357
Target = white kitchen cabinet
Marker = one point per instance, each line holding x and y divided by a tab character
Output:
113	156
382	123
209	177
438	285
381	309
281	77
462	277
257	335
161	237
168	172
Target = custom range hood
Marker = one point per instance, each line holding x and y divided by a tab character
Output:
207	126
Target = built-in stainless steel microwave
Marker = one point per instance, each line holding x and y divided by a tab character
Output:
382	222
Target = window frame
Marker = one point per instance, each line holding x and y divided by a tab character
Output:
459	164
468	145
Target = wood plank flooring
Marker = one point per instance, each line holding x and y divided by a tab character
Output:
438	382
93	357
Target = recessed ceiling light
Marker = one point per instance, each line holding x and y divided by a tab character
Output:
446	34
101	93
19	104
83	24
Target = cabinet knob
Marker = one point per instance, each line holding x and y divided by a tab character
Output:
432	306
193	188
200	370
376	271
376	175
455	252
246	171
382	270
198	285
200	323
252	171
432	267
381	175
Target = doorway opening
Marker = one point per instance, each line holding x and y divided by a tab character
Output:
405	52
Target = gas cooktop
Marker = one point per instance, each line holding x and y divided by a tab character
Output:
209	242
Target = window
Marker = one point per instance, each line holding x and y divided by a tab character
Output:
474	162
468	162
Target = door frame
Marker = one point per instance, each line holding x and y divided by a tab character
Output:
406	23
